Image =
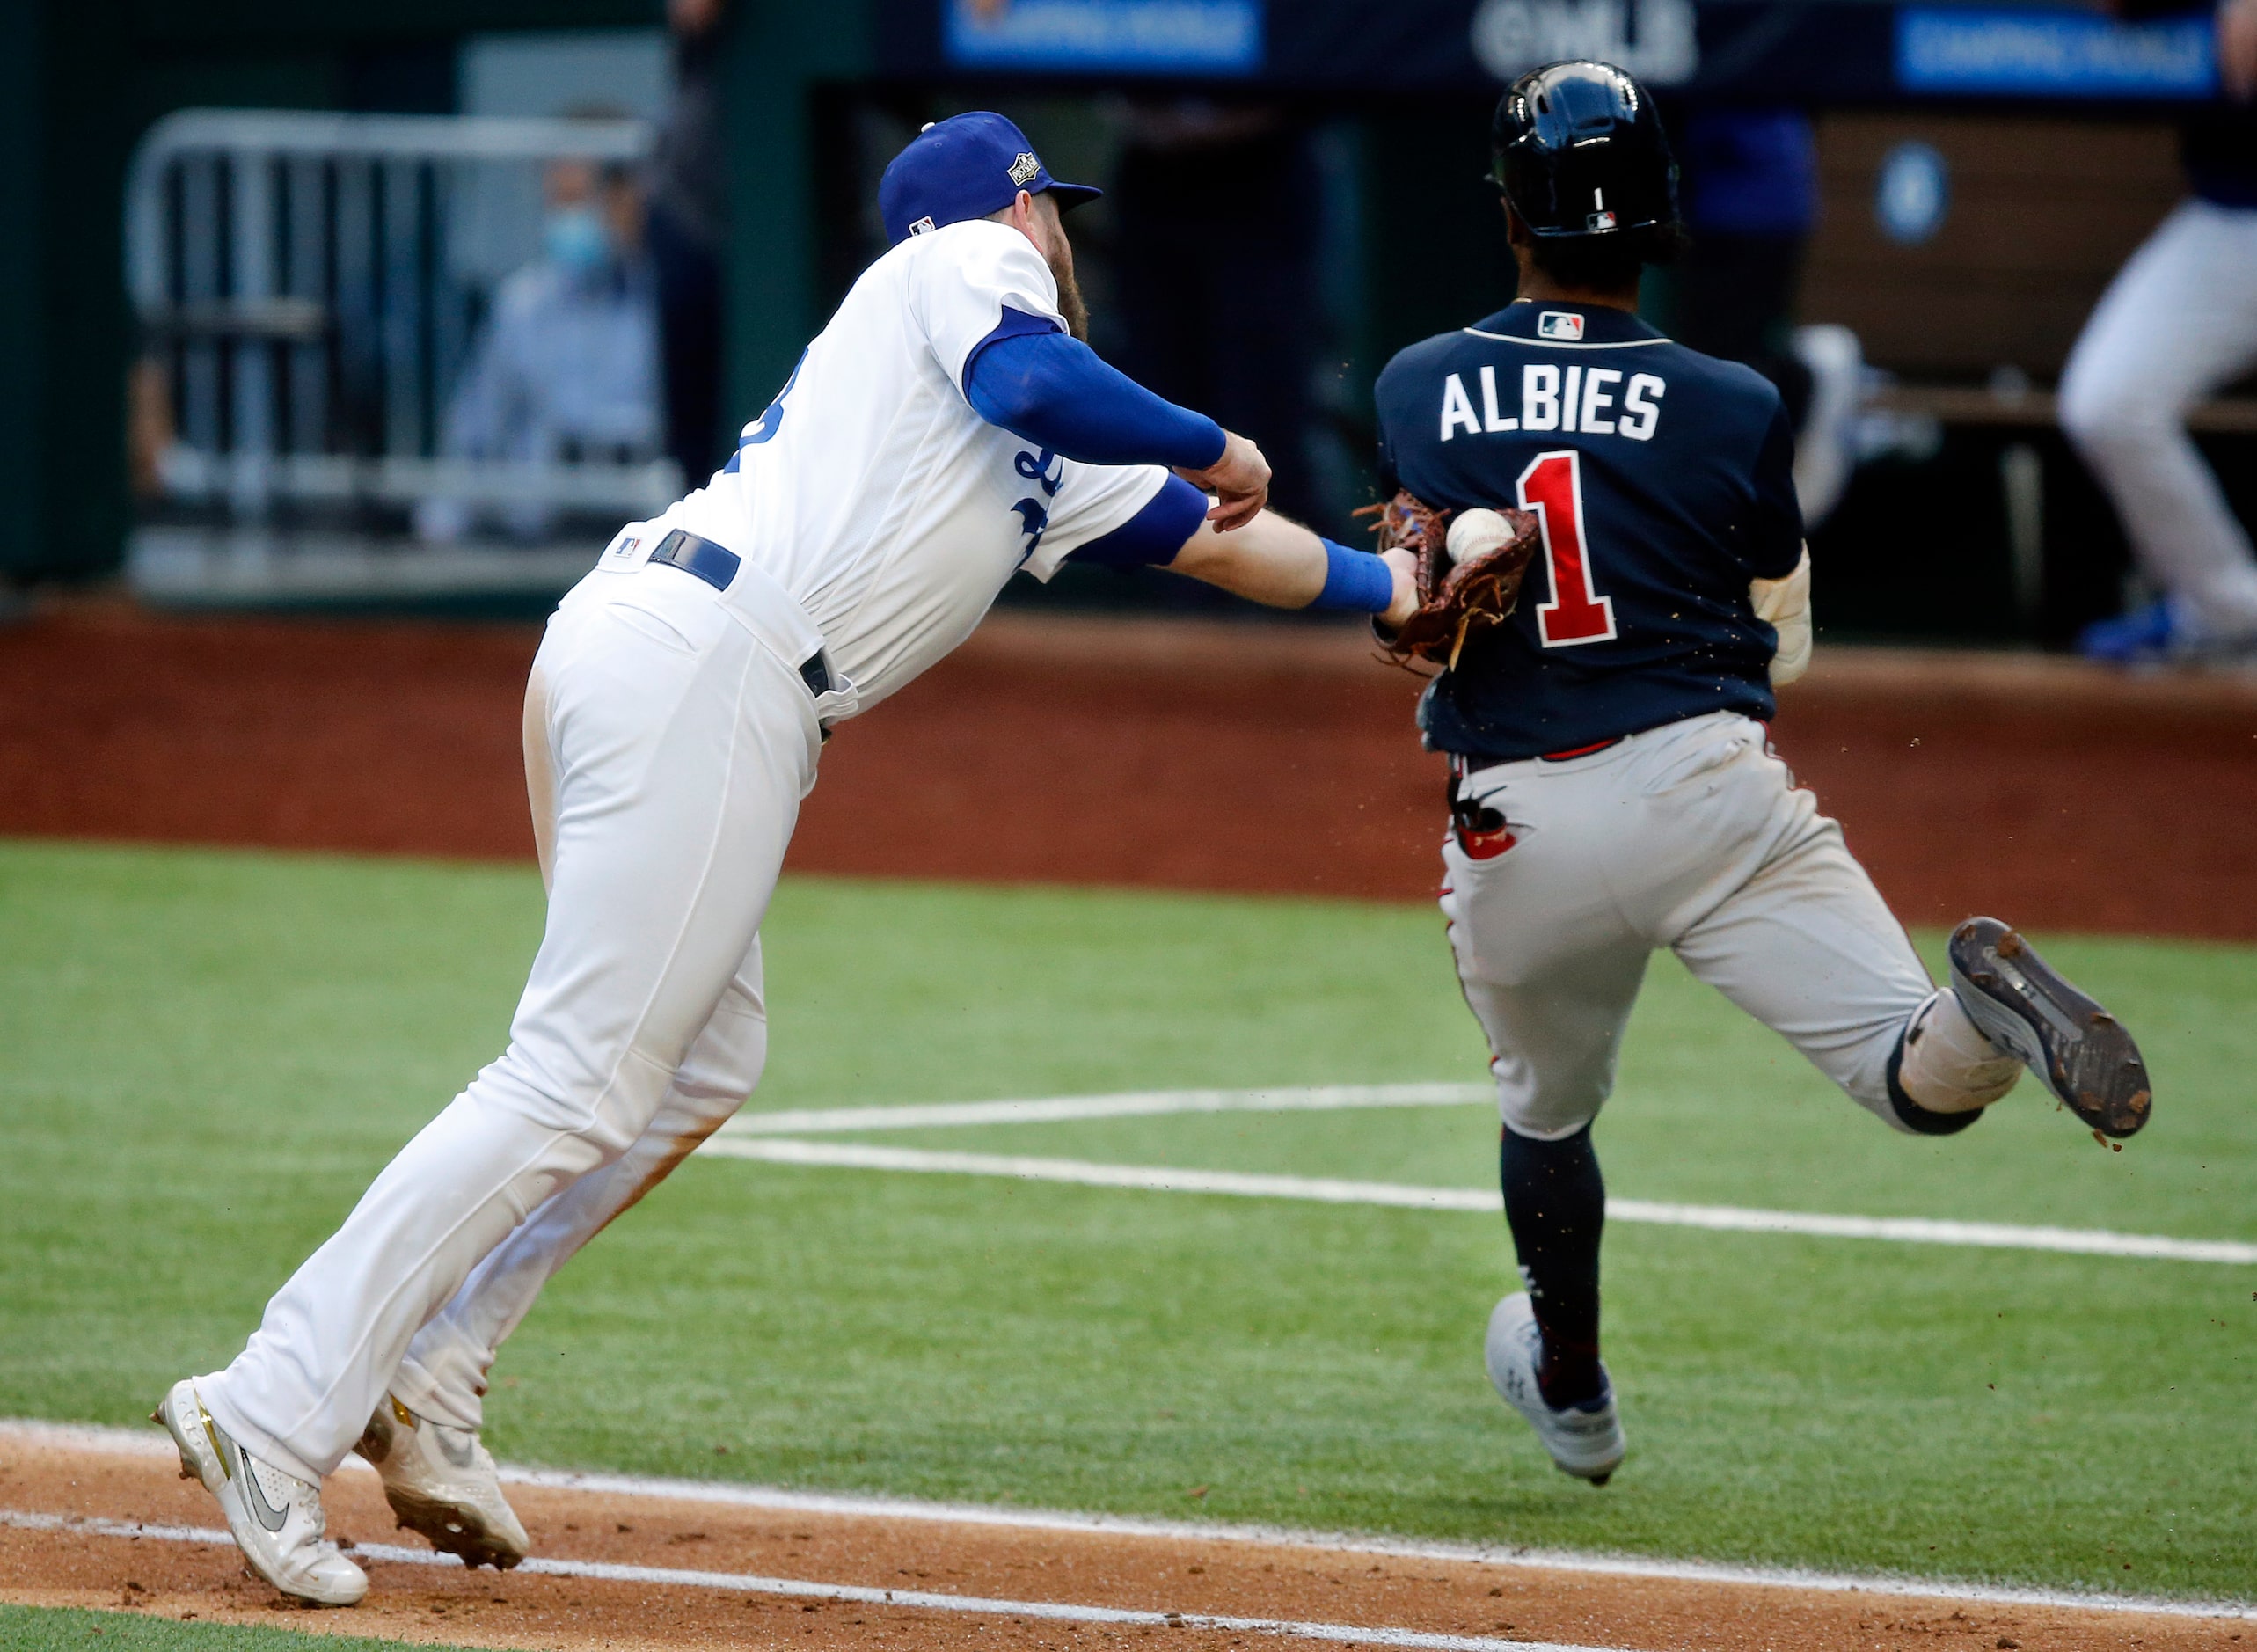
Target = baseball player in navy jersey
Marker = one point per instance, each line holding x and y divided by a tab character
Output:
948	428
1612	788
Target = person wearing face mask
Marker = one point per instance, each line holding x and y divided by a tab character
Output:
567	369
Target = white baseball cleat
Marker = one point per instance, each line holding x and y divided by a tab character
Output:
1584	1441
441	1482
275	1518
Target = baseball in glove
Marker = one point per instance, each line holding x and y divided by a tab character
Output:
1471	563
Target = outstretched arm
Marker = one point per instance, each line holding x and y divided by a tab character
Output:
1276	561
1271	560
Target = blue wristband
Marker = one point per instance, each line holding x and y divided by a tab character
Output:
1356	582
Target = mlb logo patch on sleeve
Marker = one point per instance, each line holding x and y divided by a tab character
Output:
1563	325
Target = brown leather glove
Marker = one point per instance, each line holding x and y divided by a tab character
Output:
1457	599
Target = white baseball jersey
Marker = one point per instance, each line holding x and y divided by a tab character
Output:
673	747
875	494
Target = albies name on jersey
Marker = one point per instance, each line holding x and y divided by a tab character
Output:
1596	401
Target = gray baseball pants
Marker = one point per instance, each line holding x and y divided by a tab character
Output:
1692	836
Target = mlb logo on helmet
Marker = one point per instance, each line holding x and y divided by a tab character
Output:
1564	325
1580	151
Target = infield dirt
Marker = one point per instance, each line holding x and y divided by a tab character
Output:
78	1567
1190	754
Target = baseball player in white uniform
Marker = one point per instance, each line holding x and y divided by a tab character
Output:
945	430
2178	323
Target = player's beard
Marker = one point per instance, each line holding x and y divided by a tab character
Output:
1070	296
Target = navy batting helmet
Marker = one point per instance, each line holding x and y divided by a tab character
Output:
1580	151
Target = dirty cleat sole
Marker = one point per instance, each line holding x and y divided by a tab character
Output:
2078	1050
442	1485
453	1529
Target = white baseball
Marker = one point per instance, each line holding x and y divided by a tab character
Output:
1477	532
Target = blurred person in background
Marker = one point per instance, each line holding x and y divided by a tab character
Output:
1751	205
689	228
1218	207
2178	323
566	370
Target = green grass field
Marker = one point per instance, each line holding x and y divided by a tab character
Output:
34	1629
204	1056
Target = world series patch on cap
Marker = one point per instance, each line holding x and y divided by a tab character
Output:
965	167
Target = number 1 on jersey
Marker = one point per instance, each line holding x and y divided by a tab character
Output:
1553	487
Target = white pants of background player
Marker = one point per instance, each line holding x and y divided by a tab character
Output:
1691	837
2178	321
680	738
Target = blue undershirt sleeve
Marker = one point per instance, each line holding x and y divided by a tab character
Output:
1151	538
1055	390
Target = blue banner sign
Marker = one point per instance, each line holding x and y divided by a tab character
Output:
1174	36
2029	52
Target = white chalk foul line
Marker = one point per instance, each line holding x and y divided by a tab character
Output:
1146	1178
1127	1104
1323	1190
798	1588
102	1439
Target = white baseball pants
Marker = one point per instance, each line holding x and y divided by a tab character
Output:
2178	321
681	739
1692	836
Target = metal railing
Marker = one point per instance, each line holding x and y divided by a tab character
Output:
308	285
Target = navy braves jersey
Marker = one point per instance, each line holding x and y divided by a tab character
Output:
1663	480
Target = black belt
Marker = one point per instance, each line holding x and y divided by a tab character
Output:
718	565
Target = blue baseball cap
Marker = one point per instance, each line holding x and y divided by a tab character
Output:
965	167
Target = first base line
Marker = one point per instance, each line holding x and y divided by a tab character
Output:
105	1440
798	1588
101	1440
776	1139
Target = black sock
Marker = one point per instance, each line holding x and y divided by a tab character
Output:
1555	1202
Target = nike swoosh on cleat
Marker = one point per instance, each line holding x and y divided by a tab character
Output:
255	1495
